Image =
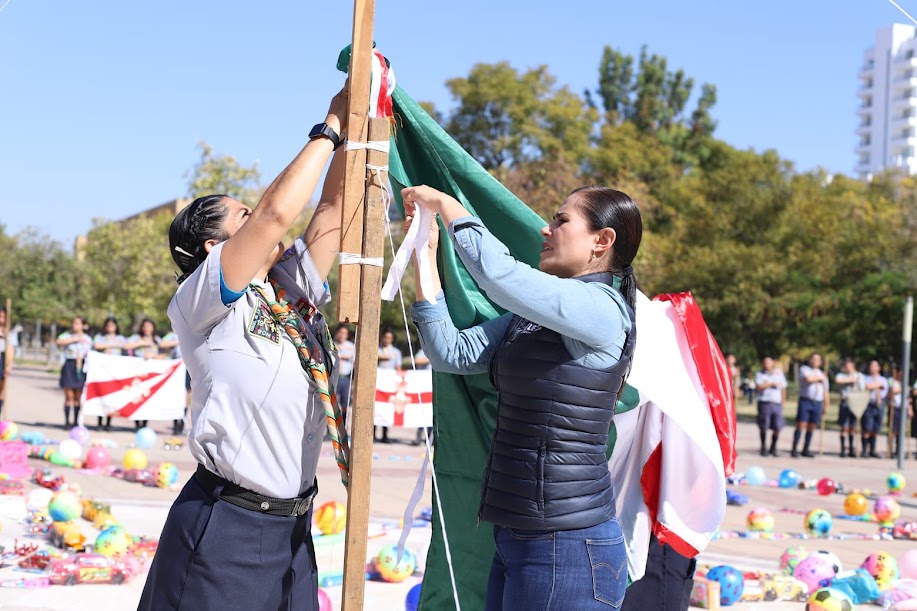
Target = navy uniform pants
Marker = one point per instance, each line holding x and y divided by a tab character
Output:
667	584
215	555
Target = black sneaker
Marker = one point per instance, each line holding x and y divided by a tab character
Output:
808	454
794	454
874	455
772	452
851	453
763	452
843	454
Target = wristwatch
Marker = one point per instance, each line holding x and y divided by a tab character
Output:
323	130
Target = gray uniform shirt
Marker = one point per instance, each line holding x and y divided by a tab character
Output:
257	417
771	394
812	390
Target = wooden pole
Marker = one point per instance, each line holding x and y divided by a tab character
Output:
355	173
9	348
367	359
824	412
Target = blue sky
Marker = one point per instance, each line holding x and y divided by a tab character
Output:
102	103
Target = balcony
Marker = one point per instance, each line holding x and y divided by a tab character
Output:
902	121
900	102
863	130
904	63
864	110
864	91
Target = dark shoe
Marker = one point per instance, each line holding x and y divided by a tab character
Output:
773	452
843	454
808	454
874	455
852	453
794	454
763	452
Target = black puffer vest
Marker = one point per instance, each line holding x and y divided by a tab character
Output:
547	468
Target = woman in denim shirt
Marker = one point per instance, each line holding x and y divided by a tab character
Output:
547	488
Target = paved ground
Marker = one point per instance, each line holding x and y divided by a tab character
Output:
35	404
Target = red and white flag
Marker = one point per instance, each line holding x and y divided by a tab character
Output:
404	398
132	387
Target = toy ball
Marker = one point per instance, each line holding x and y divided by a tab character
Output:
64	506
886	509
826	486
855	504
895	483
97	458
907	564
331	518
113	541
80	434
829	599
390	569
70	449
9	430
324	601
731	581
166	475
755	476
791	557
38	499
818	522
412	600
33	438
145	438
831	558
883	567
815	572
760	520
134	459
788	478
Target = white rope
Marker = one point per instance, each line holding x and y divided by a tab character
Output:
383	146
1	10
353	258
906	14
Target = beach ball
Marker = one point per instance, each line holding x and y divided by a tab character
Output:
113	541
760	520
70	449
731	581
829	599
755	476
788	478
324	601
907	564
80	434
97	458
815	572
390	569
883	567
818	522
331	518
38	499
65	505
412	600
831	558
9	430
791	557
886	509
855	504
895	483
826	486
166	475
145	438
134	459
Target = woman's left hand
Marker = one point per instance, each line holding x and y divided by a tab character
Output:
430	198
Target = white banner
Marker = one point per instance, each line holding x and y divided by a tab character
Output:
132	387
404	398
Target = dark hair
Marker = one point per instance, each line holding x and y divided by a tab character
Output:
114	320
388	330
202	220
604	207
342	325
143	322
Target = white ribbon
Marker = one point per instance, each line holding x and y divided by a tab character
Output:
416	241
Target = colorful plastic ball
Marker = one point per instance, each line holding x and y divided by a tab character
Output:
390	569
755	476
145	438
134	459
760	520
825	486
65	505
732	583
97	458
887	509
818	523
829	599
166	475
324	601
70	449
855	504
38	499
80	434
9	430
883	567
791	557
113	541
831	558
788	478
331	518
907	564
412	600
815	572
895	483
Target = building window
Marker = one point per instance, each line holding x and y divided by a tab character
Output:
910	54
865	141
864	159
867	103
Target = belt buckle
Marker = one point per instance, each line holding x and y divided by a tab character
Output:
301	506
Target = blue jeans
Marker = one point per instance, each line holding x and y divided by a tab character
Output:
567	569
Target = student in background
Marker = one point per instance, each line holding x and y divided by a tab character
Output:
109	341
770	385
76	344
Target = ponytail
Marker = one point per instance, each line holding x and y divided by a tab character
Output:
201	221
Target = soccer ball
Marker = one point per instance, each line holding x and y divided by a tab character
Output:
818	522
831	558
791	557
760	520
732	583
829	599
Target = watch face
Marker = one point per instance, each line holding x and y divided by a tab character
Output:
318	130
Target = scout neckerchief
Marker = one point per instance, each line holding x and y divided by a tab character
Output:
312	361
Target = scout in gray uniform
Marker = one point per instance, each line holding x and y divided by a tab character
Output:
813	384
238	535
847	380
871	420
770	385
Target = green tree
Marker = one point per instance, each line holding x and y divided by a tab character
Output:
224	174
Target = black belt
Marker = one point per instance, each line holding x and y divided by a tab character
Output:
246	499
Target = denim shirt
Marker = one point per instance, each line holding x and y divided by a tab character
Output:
591	316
